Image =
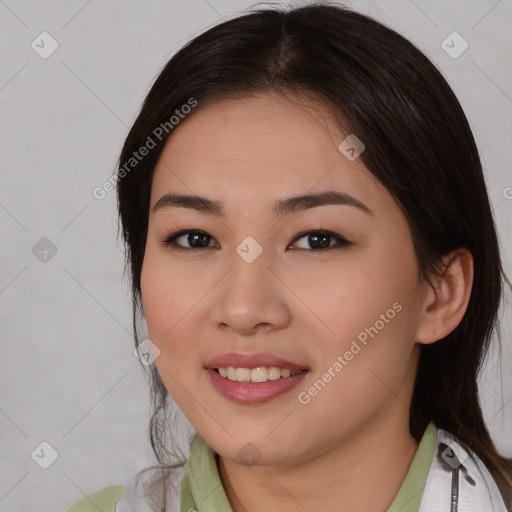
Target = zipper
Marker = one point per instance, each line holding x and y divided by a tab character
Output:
455	490
451	463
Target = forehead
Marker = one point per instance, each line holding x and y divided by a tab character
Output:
258	149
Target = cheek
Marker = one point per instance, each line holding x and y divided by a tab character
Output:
363	370
369	310
348	299
164	298
156	300
169	293
172	296
164	305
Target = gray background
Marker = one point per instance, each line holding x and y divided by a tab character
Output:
67	369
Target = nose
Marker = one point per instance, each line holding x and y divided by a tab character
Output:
251	298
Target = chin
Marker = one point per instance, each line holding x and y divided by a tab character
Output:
255	451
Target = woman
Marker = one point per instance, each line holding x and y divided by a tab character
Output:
313	250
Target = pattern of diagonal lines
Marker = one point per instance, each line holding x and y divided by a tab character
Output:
72	78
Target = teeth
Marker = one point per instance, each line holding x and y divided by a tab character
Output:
243	374
260	374
273	373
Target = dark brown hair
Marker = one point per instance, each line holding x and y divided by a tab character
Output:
419	145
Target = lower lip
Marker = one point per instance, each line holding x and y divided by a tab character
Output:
253	392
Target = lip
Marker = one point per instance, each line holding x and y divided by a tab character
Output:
253	392
239	360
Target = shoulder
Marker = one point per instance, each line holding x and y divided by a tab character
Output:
457	473
133	495
104	500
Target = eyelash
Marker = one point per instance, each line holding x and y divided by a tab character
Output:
170	240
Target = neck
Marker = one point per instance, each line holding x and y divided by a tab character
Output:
363	472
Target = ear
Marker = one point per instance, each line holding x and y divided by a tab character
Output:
444	306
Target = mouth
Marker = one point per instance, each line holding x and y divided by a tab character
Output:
258	374
253	378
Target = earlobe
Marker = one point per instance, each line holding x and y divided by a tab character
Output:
445	304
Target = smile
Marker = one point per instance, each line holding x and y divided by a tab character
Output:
253	378
259	374
250	392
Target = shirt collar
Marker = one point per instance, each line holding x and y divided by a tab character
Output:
202	488
411	491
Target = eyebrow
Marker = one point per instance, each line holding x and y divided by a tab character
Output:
281	207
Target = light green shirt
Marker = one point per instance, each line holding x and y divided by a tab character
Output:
202	489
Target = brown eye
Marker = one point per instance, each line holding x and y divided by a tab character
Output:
321	240
195	240
190	240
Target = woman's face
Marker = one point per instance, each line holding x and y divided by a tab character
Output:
257	288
